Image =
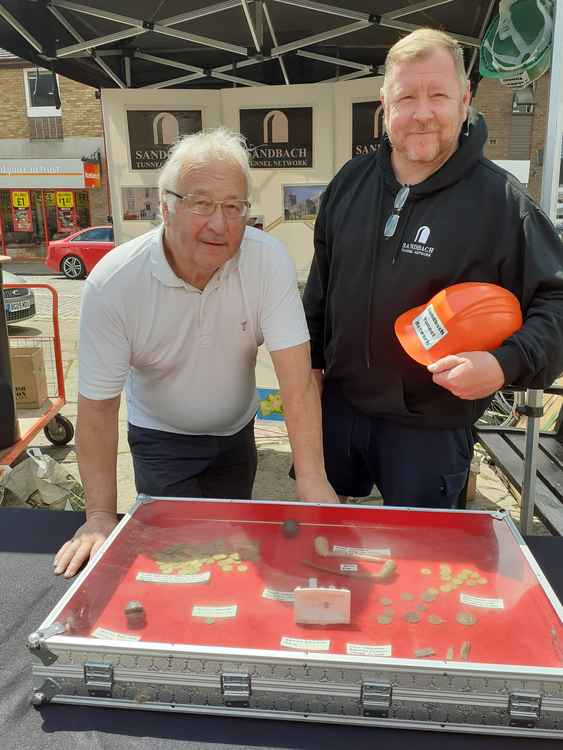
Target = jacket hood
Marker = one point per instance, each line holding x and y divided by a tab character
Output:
471	142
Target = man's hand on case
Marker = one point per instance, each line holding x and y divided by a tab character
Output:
85	543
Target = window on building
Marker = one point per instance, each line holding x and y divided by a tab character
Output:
40	94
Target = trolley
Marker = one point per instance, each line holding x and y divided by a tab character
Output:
57	428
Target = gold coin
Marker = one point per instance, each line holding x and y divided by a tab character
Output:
219	556
474	574
465	650
406	596
386	601
466	618
481	580
412	617
426	571
227	568
450	653
421	607
471	582
419	652
242	568
384	619
446	587
430	594
435	619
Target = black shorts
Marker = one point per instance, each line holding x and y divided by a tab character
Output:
173	465
417	467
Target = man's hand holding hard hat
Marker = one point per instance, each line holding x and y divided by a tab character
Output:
453	334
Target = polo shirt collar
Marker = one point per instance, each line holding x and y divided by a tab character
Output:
160	267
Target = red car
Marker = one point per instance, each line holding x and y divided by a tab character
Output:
77	254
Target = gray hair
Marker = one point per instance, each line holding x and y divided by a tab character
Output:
420	44
199	149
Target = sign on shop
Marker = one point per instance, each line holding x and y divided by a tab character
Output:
152	133
368	127
65	199
66	212
279	138
92	177
21	211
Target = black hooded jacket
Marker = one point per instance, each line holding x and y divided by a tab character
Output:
469	221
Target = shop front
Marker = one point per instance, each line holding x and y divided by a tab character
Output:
42	201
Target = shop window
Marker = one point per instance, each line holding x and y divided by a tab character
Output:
40	93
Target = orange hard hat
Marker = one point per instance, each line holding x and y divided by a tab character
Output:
468	317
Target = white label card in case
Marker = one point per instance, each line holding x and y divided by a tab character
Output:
111	635
479	601
164	578
280	596
358	649
429	328
360	551
304	645
215	612
348	567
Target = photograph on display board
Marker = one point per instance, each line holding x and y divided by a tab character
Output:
278	138
256	221
302	202
368	127
152	133
140	203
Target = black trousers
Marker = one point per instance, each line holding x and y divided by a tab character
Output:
173	465
417	467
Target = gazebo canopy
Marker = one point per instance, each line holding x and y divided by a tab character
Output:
184	43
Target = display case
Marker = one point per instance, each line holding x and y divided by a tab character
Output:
351	614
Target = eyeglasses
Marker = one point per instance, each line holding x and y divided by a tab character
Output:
393	220
202	206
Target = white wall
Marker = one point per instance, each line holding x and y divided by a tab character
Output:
332	145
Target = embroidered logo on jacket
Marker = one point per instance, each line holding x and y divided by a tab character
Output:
419	246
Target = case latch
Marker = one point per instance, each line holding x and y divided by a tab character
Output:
98	678
376	698
236	688
524	709
36	642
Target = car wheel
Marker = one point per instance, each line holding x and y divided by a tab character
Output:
73	267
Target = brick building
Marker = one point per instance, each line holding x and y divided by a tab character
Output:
52	168
516	122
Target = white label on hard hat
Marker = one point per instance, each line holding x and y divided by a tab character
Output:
429	328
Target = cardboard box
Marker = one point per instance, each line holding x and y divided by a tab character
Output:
28	376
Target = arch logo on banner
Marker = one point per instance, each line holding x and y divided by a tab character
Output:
368	127
278	138
153	132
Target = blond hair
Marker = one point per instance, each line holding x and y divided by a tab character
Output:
420	44
200	149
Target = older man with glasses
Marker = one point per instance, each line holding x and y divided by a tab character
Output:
395	227
176	317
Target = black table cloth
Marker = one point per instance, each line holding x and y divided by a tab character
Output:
28	592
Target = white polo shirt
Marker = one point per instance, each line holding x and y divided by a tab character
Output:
186	357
